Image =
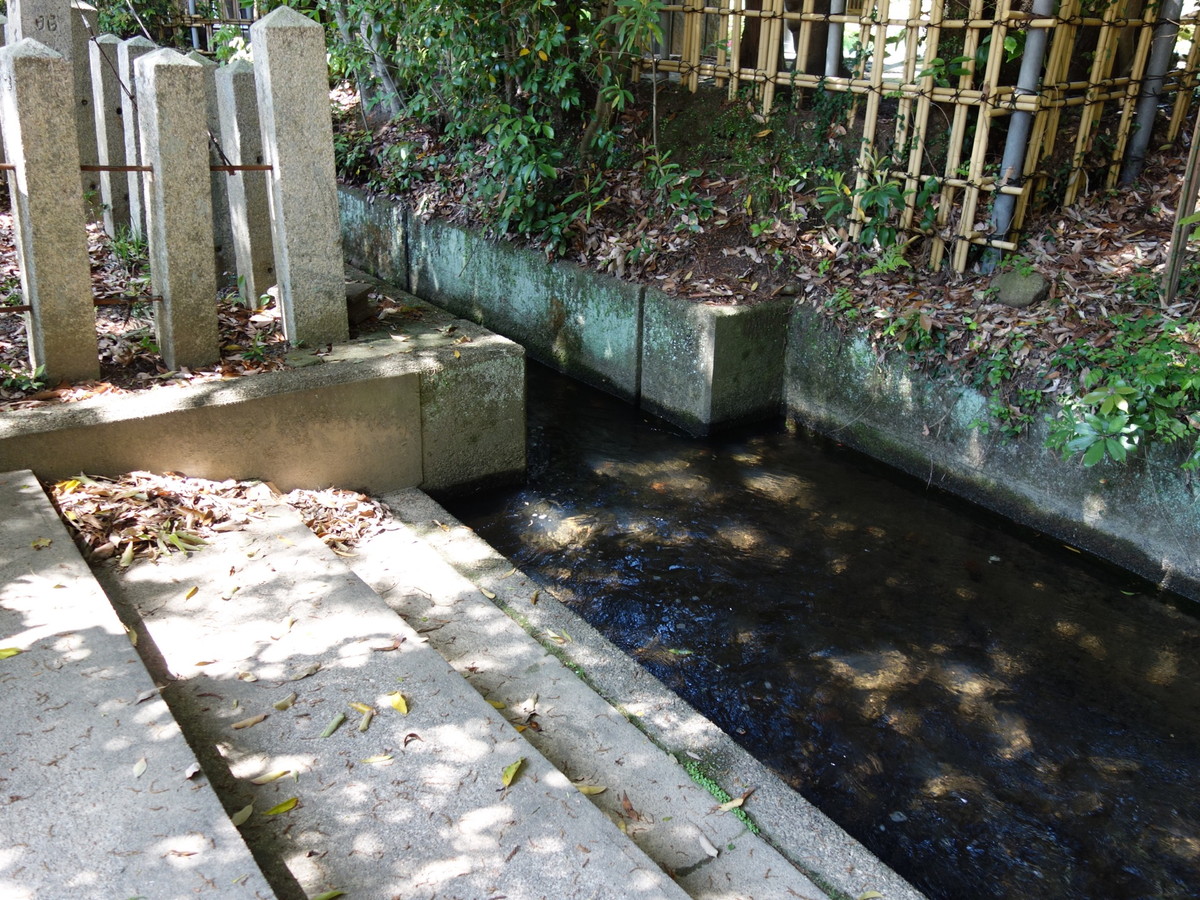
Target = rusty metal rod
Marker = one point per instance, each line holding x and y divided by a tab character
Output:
115	169
96	301
124	301
9	167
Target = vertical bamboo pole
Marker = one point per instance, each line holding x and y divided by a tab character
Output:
1062	46
770	39
1162	47
1137	72
1179	234
916	156
735	23
1093	102
958	127
693	18
867	160
1183	96
723	44
975	172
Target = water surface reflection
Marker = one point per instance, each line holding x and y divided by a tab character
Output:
992	717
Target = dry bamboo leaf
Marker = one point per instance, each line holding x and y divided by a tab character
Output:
248	723
239	818
271	776
378	759
398	702
286	702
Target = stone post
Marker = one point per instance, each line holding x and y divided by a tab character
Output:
37	108
225	264
249	206
84	19
3	42
109	103
46	21
170	91
293	104
127	54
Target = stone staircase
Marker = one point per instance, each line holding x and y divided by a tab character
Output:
375	724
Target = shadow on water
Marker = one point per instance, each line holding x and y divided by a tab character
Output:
992	716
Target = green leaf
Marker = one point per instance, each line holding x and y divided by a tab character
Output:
9	652
1094	454
334	724
511	771
330	895
280	808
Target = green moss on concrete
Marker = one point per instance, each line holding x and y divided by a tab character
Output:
1141	515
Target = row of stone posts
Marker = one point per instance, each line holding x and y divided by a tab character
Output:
78	110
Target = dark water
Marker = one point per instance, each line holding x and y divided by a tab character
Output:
993	717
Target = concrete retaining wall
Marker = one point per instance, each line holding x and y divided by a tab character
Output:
418	408
1143	515
701	366
696	365
579	321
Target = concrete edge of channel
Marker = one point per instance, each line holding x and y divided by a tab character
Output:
804	835
321	422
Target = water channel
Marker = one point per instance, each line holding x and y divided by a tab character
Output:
991	714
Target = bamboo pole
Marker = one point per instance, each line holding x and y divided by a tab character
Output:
978	159
958	126
1093	104
770	38
1179	234
690	58
867	160
1188	80
1136	74
916	156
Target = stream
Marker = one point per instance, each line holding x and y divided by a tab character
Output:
992	714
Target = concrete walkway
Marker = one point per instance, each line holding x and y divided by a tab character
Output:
99	793
269	651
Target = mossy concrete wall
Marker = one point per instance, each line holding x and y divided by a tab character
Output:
1143	515
705	363
699	366
571	318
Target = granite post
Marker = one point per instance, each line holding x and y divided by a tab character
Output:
84	25
109	104
224	262
249	205
127	54
46	21
170	91
37	108
293	105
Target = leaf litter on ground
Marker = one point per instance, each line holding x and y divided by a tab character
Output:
143	515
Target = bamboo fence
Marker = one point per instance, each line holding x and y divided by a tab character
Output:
938	94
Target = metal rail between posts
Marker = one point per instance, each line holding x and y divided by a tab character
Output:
9	167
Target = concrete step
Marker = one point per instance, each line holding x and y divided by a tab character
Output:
709	851
507	635
99	796
411	805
